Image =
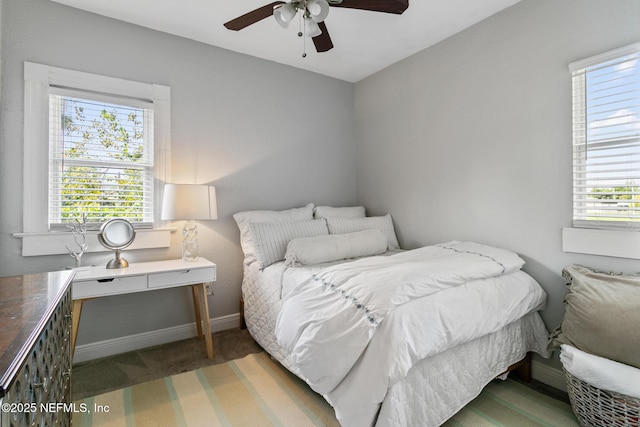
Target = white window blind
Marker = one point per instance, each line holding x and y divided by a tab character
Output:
606	140
101	158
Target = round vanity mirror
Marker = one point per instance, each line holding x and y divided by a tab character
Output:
116	234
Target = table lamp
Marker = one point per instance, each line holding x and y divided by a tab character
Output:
189	202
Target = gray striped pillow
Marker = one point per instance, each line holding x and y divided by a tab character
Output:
350	225
244	218
271	238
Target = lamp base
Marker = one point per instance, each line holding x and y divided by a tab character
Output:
190	251
190	245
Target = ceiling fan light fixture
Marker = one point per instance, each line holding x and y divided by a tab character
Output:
311	28
284	14
313	13
318	10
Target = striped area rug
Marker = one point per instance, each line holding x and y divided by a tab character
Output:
252	391
256	391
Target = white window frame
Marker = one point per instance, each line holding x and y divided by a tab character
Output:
602	240
37	239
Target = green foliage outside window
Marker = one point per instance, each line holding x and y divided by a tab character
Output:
103	164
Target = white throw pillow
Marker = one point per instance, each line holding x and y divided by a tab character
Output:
243	219
350	225
271	238
335	247
341	212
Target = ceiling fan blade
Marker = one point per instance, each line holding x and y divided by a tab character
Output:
252	17
388	6
323	42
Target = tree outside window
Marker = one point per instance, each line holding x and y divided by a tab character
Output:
101	160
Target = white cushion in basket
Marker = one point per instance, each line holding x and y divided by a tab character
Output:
271	238
600	372
350	225
340	212
335	247
243	219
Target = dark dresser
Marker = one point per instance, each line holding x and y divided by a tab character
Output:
35	349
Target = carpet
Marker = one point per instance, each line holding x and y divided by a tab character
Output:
256	391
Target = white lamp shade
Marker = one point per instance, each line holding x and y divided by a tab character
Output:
318	10
284	14
311	28
188	201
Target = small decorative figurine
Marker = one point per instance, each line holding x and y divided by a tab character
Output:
79	231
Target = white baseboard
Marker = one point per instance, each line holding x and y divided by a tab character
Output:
119	345
548	375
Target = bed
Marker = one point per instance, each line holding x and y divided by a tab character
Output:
329	294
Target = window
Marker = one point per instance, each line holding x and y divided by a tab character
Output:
93	144
606	140
100	158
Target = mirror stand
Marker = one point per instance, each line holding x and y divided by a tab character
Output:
118	262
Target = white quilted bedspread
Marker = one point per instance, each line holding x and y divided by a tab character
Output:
354	330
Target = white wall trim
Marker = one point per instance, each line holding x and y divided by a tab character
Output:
548	375
604	57
36	244
615	243
127	343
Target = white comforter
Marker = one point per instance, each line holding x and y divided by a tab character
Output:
417	303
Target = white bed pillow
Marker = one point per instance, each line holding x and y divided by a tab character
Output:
341	212
271	238
350	225
335	247
243	219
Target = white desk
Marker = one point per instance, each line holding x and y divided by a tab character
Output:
147	276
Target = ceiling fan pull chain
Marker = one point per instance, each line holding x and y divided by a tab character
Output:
301	34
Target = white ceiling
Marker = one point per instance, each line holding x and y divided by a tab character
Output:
364	42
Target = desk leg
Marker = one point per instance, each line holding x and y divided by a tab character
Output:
196	309
75	322
204	315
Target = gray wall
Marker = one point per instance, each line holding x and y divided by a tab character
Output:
236	124
471	138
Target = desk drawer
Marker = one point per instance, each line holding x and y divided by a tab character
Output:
108	286
181	277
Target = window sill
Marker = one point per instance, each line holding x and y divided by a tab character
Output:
614	243
53	243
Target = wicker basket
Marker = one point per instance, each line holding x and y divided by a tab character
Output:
595	407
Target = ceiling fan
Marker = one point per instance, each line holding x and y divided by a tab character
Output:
312	15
